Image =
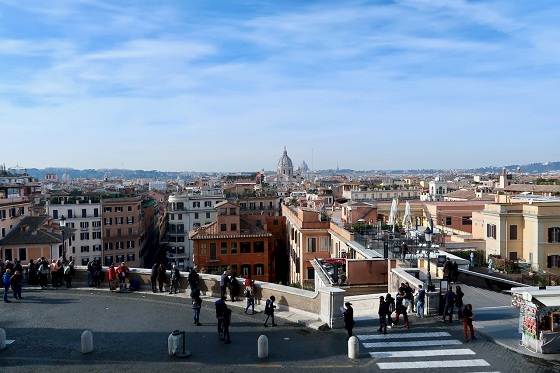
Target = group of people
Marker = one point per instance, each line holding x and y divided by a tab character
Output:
450	270
453	299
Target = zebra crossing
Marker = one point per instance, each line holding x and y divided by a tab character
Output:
399	351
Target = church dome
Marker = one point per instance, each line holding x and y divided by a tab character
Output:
304	167
284	160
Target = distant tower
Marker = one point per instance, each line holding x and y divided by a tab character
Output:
285	166
105	177
65	177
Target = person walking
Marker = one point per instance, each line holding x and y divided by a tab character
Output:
448	304
383	312
220	305
193	279
467	322
250	297
404	250
348	315
420	303
226	324
269	310
400	308
162	277
175	274
122	273
197	306
153	277
391	306
233	287
6	281
90	272
454	271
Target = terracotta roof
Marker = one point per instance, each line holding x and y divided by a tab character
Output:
533	188
35	230
211	231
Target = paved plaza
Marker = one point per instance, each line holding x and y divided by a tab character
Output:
130	332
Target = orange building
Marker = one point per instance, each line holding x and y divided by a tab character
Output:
233	242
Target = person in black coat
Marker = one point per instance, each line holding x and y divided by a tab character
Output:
269	310
153	277
348	318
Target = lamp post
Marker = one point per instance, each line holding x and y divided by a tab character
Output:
62	222
428	236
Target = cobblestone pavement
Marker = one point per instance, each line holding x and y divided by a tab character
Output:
130	332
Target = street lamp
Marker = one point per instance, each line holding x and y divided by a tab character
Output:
428	236
62	222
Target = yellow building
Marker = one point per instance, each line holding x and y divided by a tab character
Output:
523	228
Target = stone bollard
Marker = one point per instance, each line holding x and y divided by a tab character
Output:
353	348
263	346
2	339
87	342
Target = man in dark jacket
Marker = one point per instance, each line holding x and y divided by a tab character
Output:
193	280
153	277
383	312
224	283
220	307
448	303
348	318
269	310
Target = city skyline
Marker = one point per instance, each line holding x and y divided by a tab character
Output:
215	85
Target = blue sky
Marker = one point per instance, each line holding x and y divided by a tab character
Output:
224	85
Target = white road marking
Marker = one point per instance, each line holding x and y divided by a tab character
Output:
403	335
448	342
434	364
422	353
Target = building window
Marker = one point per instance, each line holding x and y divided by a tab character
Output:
96	235
84	236
207	215
120	258
22	254
234	247
108	260
491	231
553	261
119	209
258	247
448	220
233	227
259	269
96	247
196	215
243	206
325	244
232	211
107	209
108	221
130	244
275	222
130	219
130	257
85	260
223	211
84	213
252	206
84	225
513	232
554	234
245	269
203	249
466	220
311	244
245	248
95	212
108	246
213	255
207	203
223	227
84	249
129	208
120	245
223	248
310	274
195	204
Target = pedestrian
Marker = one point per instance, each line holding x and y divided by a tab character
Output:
32	272
226	324
122	273
391	306
224	283
404	250
220	305
60	272
467	322
400	308
90	272
98	272
459	301
420	303
383	313
175	274
193	278
69	273
448	270
409	296
43	273
269	310
454	271
250	297
348	315
448	304
233	287
162	277
490	266
54	274
112	274
6	281
197	306
15	281
153	277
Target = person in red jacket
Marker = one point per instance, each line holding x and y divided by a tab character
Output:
122	273
112	277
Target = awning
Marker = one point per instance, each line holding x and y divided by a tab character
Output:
548	301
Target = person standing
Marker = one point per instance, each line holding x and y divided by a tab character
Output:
162	277
112	274
69	273
448	304
54	274
43	273
6	281
122	273
197	306
233	287
220	305
467	322
420	303
400	308
193	278
448	270
404	250
269	310
224	282
98	272
16	280
31	273
383	312
348	315
90	272
250	297
226	324
153	277
175	274
391	307
459	300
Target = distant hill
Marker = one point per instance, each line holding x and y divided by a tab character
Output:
533	168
